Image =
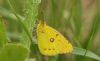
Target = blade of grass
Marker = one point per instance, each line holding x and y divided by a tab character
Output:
3	37
92	34
57	12
81	52
9	15
94	29
76	12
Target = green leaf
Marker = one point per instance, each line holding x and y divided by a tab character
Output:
28	23
13	52
86	53
31	8
3	38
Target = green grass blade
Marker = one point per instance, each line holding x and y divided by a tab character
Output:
94	28
76	12
92	34
13	52
9	15
81	52
3	37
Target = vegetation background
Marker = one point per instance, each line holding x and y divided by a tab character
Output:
77	20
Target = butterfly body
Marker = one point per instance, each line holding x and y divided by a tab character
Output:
51	42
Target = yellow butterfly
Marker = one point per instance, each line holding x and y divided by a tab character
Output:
50	41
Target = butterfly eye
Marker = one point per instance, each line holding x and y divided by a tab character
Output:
51	39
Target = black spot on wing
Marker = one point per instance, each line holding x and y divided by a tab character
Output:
53	49
44	49
52	39
49	49
57	34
